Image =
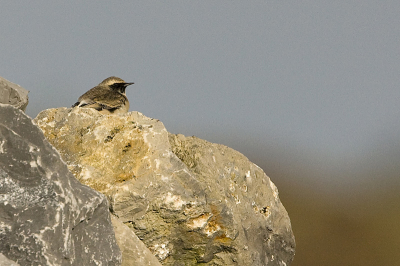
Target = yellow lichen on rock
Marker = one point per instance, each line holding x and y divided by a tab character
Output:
101	150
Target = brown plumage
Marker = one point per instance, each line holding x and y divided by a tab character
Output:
108	97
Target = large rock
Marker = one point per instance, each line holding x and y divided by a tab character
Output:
13	94
192	203
250	200
47	217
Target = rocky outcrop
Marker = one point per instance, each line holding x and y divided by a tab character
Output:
13	94
191	202
250	199
47	217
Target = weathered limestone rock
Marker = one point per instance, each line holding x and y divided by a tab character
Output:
128	158
251	201
13	94
46	216
192	203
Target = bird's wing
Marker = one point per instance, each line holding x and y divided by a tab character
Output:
110	100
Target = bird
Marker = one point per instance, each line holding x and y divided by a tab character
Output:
108	97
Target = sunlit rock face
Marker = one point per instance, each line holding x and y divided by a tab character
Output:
47	217
190	201
13	94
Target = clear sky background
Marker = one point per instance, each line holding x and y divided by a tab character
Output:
297	86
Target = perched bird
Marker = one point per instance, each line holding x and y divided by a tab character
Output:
108	97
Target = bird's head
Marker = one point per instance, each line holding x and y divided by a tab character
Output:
116	83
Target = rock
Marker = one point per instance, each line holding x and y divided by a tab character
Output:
191	202
134	252
46	216
128	158
251	201
13	94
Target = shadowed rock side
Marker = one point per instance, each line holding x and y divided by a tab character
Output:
13	94
46	216
134	252
192	203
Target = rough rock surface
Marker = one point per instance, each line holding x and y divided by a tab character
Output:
6	262
134	251
13	94
46	216
250	199
191	203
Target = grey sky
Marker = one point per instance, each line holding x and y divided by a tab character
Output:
309	77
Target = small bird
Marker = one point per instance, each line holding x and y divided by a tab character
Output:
108	97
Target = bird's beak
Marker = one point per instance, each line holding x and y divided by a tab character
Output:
128	83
